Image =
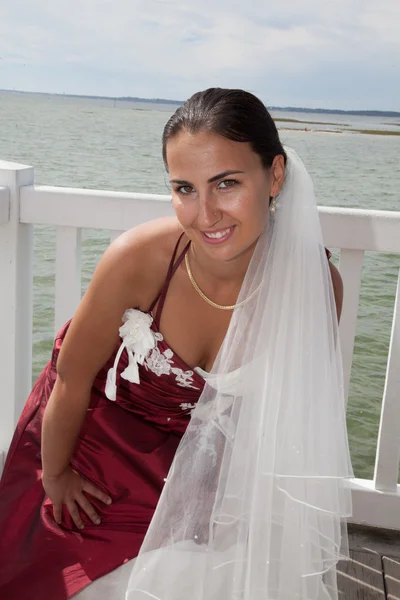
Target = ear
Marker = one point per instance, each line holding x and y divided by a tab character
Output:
277	173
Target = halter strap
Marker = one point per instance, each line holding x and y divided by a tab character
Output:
173	266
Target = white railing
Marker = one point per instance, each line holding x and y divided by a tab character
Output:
22	204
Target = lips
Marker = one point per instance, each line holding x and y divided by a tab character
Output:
218	236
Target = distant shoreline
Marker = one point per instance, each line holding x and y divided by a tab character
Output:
297	109
336	111
112	98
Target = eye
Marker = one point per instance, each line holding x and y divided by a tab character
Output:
227	183
184	190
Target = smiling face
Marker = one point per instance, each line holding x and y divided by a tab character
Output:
220	192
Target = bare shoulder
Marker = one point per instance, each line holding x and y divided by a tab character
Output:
129	275
141	256
337	283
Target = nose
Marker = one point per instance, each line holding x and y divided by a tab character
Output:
208	211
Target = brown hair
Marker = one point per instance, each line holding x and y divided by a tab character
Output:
233	114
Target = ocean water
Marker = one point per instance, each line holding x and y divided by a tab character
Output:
116	145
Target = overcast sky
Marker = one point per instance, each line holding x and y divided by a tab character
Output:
315	53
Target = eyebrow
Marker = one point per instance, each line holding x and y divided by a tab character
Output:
211	180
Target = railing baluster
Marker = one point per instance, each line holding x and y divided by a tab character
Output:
68	274
350	267
16	252
388	449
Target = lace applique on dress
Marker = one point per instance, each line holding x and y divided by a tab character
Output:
184	378
159	362
188	406
141	344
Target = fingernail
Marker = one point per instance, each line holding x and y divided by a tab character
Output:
81	527
98	521
109	501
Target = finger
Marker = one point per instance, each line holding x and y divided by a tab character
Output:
57	513
74	512
88	508
95	492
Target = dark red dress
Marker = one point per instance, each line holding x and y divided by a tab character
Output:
125	448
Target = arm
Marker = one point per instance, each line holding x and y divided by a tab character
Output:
91	338
118	283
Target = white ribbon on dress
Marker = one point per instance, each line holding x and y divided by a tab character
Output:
138	340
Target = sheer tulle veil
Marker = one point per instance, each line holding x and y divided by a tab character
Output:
255	502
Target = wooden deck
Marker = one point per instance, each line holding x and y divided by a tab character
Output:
373	573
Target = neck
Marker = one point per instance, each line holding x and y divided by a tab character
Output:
226	273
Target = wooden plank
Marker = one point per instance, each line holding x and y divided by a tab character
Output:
391	571
385	542
361	577
350	267
388	448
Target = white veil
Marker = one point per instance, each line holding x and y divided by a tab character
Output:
254	503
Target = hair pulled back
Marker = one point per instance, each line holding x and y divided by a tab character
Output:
234	114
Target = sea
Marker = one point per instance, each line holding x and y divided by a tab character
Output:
116	145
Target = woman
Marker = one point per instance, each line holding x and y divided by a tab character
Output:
97	437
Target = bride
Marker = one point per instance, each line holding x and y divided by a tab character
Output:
188	437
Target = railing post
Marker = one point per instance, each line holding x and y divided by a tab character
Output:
16	250
388	447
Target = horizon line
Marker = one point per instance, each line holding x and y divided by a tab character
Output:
360	112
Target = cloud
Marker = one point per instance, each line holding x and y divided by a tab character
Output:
170	48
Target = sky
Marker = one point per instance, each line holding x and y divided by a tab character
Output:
315	53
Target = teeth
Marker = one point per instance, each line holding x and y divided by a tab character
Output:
218	234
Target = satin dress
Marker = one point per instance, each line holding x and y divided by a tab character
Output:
140	406
134	423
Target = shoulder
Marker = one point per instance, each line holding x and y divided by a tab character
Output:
155	236
129	275
141	256
337	284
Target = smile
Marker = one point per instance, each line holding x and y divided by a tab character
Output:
217	237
